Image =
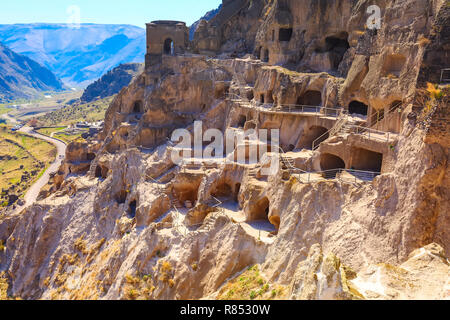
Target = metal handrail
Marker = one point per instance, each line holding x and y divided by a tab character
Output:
385	116
291	108
342	121
362	130
444	80
337	173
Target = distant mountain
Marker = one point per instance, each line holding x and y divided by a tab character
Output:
112	82
21	77
208	16
77	56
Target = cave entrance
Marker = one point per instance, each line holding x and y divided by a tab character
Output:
121	196
311	135
310	98
242	121
90	156
331	164
132	209
285	34
366	160
357	107
337	46
266	55
169	46
259	53
138	107
260	212
261	98
393	65
98	172
223	190
237	189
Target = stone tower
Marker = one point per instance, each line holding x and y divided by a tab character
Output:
165	37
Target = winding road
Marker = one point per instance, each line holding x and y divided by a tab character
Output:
33	192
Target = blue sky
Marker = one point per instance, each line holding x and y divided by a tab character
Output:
136	12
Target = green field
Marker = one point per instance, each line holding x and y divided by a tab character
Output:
22	160
49	131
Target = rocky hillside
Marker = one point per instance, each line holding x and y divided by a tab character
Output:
208	16
23	78
76	55
356	204
112	82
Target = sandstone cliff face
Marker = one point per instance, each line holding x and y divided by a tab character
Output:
124	221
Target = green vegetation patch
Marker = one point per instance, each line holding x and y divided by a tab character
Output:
22	160
90	112
250	285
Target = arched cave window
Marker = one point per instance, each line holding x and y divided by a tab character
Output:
310	98
337	46
138	107
132	209
331	162
311	135
393	65
266	55
169	46
285	35
90	156
367	160
242	121
357	107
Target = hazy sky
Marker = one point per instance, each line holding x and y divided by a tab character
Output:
136	12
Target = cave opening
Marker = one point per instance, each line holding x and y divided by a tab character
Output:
393	65
310	136
98	172
331	164
132	209
90	156
242	121
357	107
121	196
266	57
310	98
138	107
285	34
366	160
260	211
261	98
337	46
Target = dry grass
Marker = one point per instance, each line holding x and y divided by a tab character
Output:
250	285
24	160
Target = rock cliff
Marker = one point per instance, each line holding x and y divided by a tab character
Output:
358	207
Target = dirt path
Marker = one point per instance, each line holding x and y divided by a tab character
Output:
34	190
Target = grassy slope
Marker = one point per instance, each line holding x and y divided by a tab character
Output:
93	111
24	158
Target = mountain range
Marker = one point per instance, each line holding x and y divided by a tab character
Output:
22	77
78	56
112	82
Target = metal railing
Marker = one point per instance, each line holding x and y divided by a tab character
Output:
339	174
445	76
371	133
377	117
289	108
342	121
